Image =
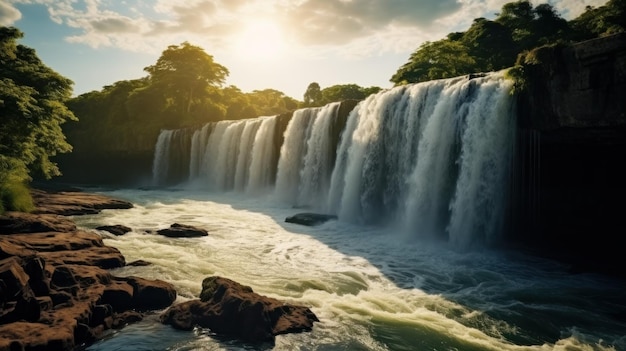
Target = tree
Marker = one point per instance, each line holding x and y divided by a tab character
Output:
313	95
490	44
342	92
32	109
183	73
604	20
436	60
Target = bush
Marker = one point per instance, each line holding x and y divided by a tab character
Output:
15	196
14	192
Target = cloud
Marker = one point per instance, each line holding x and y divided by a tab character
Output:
346	27
341	21
8	14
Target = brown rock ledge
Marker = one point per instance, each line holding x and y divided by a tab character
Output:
55	290
229	308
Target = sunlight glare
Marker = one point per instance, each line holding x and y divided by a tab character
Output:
261	39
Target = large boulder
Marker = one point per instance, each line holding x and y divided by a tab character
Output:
229	308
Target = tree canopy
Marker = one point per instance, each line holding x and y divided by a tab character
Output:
315	96
32	109
491	45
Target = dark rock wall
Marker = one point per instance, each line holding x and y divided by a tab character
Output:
570	180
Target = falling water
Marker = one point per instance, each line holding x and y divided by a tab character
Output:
433	158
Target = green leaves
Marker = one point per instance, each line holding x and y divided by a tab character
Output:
32	110
436	60
494	45
184	73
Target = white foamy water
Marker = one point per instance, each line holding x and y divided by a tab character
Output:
371	288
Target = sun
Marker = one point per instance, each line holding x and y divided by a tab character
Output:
260	39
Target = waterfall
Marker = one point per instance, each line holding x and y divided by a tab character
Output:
160	165
171	157
307	156
222	156
433	158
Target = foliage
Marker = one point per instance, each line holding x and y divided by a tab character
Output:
346	92
313	95
185	76
32	110
435	60
491	45
604	20
14	193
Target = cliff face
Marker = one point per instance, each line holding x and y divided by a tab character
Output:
578	86
569	187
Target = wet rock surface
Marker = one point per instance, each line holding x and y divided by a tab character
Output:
231	309
56	292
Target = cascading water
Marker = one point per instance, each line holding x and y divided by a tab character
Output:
306	157
432	157
171	157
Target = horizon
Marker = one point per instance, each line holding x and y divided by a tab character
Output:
281	45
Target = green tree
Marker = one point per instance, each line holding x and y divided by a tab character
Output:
604	20
184	73
313	95
435	60
32	109
342	92
490	44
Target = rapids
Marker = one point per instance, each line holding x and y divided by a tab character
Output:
372	288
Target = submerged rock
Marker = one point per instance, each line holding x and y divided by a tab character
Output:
117	229
310	219
182	231
229	308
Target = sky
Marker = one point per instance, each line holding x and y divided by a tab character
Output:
265	44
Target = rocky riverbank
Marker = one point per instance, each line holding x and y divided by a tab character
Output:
56	292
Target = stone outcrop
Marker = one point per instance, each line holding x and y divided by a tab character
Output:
177	230
577	86
231	309
69	203
310	219
568	184
55	290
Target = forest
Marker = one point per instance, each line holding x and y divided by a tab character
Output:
185	88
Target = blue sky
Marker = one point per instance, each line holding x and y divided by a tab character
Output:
277	44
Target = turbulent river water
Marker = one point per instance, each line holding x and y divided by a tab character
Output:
372	288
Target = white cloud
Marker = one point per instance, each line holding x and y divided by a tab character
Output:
348	27
8	14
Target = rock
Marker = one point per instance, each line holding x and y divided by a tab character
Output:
182	231
229	308
139	263
69	203
310	219
117	229
151	294
55	291
19	222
